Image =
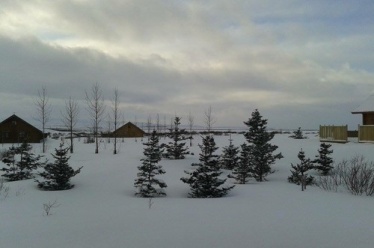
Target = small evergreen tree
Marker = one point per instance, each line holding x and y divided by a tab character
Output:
260	148
146	181
204	181
298	134
21	169
176	149
243	170
57	175
323	161
299	175
230	158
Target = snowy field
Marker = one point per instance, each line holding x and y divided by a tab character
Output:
102	211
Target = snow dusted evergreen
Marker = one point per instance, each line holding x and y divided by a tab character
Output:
242	172
298	134
299	175
230	158
20	162
204	181
57	175
323	161
261	151
176	149
146	183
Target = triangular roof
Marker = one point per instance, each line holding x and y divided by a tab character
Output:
132	125
15	117
366	106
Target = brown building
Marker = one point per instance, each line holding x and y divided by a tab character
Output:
129	130
16	130
367	111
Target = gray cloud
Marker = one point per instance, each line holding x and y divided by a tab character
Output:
298	62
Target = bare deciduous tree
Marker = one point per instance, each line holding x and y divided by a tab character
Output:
158	127
96	109
44	111
116	116
209	119
47	207
191	119
149	125
70	118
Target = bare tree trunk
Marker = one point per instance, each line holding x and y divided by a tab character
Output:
209	120
115	110
149	126
190	125
44	111
158	123
70	118
96	109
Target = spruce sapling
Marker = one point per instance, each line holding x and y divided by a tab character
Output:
299	175
262	152
204	181
176	149
57	175
242	172
146	183
230	158
324	163
21	169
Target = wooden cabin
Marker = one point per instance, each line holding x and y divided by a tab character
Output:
16	130
367	111
366	130
129	130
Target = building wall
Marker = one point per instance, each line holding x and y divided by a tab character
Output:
129	130
14	130
368	118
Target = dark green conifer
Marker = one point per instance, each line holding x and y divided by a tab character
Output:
204	181
147	184
57	175
20	162
261	150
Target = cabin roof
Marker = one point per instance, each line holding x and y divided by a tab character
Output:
15	117
366	107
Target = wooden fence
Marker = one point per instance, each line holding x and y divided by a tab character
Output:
366	133
333	134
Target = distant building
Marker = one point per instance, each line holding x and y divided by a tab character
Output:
16	130
367	111
129	130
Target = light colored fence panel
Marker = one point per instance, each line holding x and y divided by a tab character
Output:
333	133
366	133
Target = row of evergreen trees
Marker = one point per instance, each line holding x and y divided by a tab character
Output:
255	160
252	160
323	163
21	163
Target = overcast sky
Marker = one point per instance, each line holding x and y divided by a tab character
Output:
301	63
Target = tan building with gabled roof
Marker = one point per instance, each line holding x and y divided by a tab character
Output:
129	130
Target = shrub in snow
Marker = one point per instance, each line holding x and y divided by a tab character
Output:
176	149
298	134
20	162
146	183
242	172
261	151
57	175
356	175
299	175
323	161
204	181
230	158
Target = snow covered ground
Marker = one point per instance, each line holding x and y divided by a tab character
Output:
102	211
